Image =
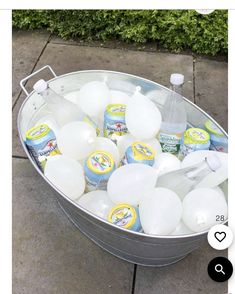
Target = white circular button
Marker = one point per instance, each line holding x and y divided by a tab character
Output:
205	11
220	237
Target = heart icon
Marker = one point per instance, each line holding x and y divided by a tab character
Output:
220	236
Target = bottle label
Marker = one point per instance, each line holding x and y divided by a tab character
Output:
186	149
37	132
100	162
41	144
115	130
196	136
170	143
142	151
116	109
123	215
114	122
98	169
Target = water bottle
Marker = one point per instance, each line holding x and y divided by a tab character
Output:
184	180
62	110
174	119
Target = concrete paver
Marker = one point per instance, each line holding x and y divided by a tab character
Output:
26	48
112	44
189	276
211	89
50	254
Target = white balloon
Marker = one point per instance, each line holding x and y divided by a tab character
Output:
128	183
143	119
108	145
121	85
93	98
119	97
97	202
166	162
125	141
66	174
160	211
181	229
220	191
154	143
76	140
200	208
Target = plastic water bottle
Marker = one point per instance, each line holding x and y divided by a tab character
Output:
174	119
184	180
63	110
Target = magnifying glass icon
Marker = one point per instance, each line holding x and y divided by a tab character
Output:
219	269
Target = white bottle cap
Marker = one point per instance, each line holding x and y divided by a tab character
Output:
40	86
213	162
177	79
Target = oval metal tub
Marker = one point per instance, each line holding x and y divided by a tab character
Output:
134	247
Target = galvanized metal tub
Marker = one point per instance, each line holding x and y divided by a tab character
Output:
132	246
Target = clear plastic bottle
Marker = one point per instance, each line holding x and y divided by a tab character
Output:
184	180
61	109
174	119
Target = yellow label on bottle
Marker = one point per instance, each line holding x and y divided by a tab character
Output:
142	151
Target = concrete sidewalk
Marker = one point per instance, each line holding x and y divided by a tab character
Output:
49	254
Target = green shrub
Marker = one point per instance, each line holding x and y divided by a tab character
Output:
175	30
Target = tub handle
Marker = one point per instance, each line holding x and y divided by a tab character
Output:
22	82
